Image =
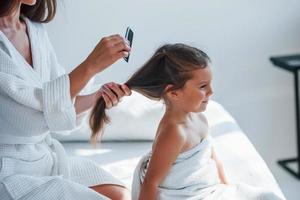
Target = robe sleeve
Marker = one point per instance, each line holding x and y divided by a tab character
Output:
52	99
57	72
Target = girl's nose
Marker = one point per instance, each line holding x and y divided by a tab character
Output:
210	91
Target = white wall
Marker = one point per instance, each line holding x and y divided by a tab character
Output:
239	36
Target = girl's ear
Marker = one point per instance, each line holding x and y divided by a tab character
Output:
171	94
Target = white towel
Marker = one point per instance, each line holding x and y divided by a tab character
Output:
194	176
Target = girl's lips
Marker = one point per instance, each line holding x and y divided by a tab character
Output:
205	101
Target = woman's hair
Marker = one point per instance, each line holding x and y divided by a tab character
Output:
171	65
43	11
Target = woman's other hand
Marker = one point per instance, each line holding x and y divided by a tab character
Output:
112	93
107	51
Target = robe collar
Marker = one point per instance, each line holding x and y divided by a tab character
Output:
21	65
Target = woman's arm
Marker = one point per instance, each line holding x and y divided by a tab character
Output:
165	151
111	93
219	166
106	52
85	102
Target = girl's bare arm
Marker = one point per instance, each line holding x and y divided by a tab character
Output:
165	151
221	171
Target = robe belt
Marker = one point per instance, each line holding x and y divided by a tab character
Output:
60	156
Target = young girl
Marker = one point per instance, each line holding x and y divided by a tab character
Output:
182	163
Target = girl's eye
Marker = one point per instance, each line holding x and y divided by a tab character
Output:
202	86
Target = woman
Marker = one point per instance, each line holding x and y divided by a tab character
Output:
36	97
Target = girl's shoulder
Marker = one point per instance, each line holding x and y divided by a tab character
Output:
172	130
170	133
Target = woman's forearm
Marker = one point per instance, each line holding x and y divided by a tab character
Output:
84	102
79	77
107	51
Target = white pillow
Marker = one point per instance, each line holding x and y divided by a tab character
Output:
134	118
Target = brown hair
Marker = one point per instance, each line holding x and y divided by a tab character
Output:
43	11
171	64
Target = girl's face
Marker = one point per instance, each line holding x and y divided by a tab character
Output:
28	2
194	96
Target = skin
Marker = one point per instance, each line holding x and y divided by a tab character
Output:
179	130
107	51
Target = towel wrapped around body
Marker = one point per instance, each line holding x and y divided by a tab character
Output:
194	176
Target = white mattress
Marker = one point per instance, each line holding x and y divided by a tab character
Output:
241	161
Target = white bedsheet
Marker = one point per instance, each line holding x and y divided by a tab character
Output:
241	161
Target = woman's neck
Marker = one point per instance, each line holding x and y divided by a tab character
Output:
12	21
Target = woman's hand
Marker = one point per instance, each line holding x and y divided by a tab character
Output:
107	51
112	93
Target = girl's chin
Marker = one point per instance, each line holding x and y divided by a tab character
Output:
203	106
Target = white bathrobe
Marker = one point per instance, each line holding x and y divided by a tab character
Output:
34	102
194	176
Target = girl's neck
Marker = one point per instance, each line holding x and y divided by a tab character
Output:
12	21
177	116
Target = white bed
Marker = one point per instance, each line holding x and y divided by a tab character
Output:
241	161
